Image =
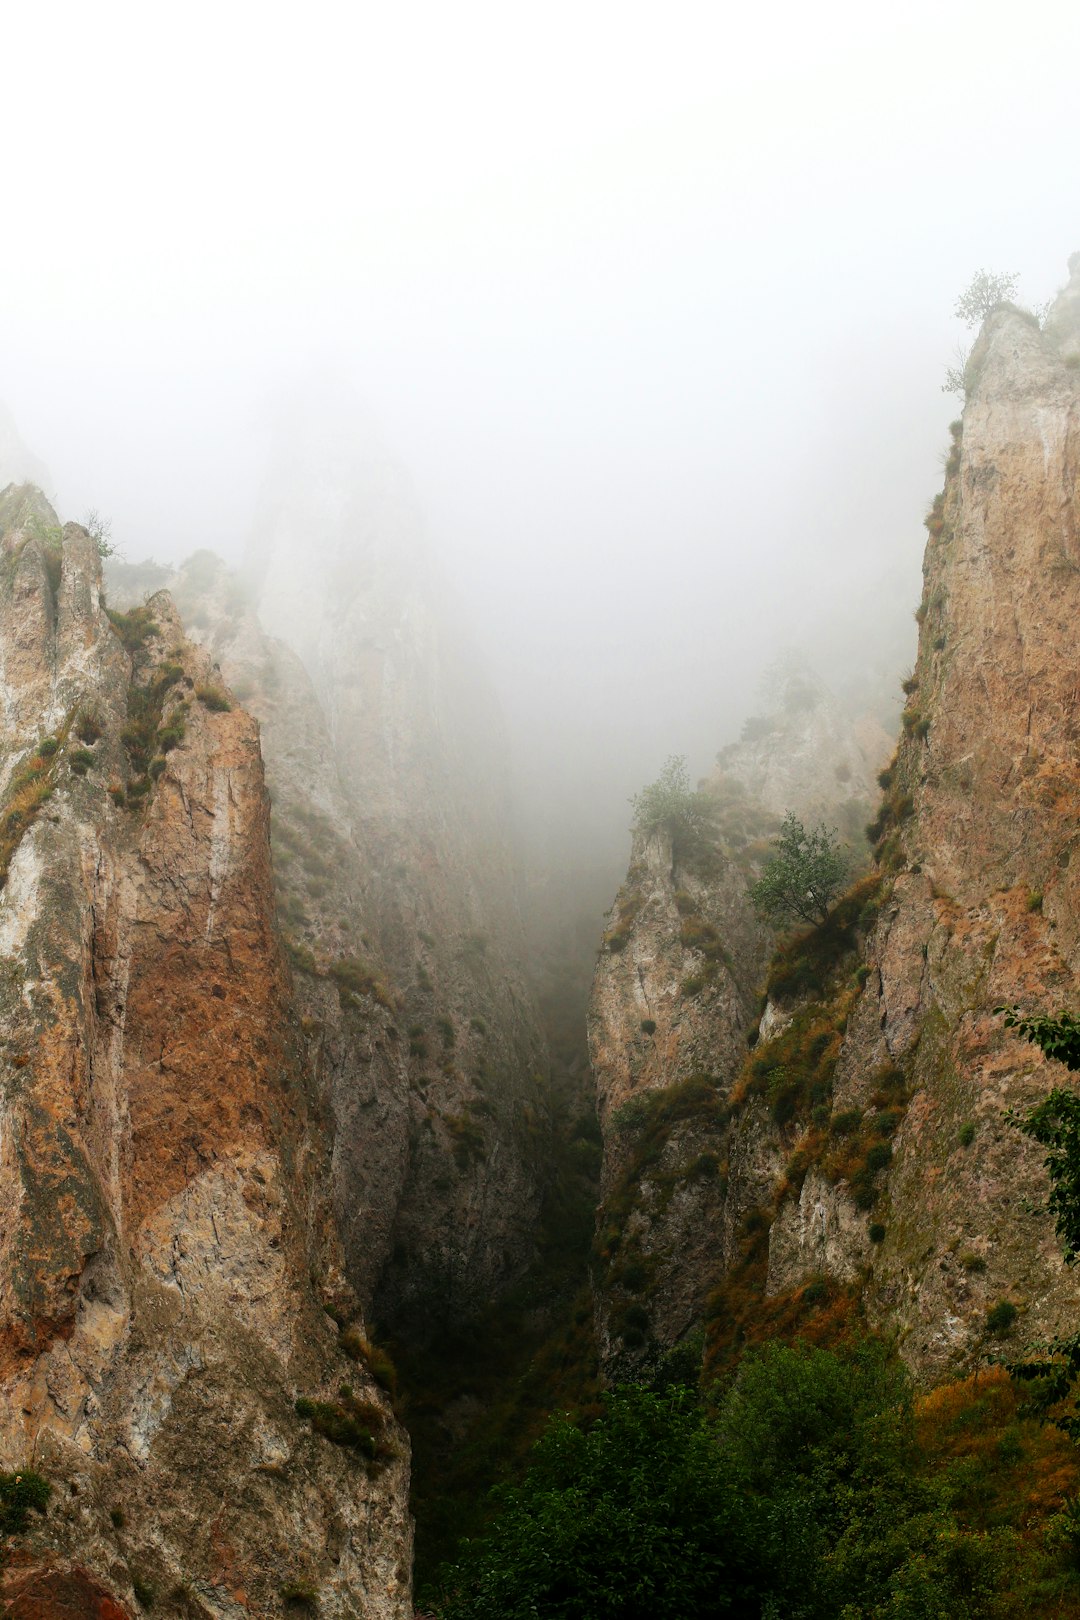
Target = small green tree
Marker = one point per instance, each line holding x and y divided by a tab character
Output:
983	292
803	878
669	801
1055	1124
100	531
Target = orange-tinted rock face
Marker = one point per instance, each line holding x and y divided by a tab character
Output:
979	906
162	1204
675	995
986	906
396	895
41	1593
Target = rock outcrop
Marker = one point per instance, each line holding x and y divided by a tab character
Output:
864	1158
676	994
985	905
167	1247
395	883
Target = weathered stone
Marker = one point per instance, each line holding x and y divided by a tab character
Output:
162	1175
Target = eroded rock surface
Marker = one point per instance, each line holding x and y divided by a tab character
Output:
163	1211
396	886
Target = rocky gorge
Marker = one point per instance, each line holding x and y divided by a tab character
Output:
278	1077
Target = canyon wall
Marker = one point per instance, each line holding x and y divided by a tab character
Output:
858	1158
396	882
167	1247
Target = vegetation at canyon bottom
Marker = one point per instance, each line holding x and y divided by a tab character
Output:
814	1484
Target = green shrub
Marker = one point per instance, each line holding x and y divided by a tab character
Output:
791	1493
80	760
145	1593
648	1026
966	1134
21	1493
877	1232
134	629
669	802
300	1595
213	697
337	1422
1000	1317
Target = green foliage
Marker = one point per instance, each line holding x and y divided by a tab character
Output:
145	1593
966	1134
669	802
984	292
88	727
1000	1317
632	1516
1054	1123
100	531
809	962
134	629
30	788
19	1494
804	876
356	979
214	698
300	1595
797	1494
340	1422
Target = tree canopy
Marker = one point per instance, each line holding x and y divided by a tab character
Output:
669	801
1054	1123
797	1493
803	877
985	289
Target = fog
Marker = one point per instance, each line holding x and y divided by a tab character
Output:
652	302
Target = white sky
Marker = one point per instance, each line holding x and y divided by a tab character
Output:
653	300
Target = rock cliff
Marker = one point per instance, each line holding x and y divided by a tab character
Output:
163	1216
395	884
676	993
860	1158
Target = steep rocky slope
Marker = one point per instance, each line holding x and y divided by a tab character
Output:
676	993
167	1249
862	1157
396	887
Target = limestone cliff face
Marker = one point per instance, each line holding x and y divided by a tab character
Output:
865	1153
395	885
162	1212
985	906
676	994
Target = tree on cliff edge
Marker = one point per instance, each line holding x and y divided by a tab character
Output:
669	802
803	878
984	292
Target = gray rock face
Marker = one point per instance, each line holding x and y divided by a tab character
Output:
676	995
396	887
978	906
163	1217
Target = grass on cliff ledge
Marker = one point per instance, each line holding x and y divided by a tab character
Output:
31	787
